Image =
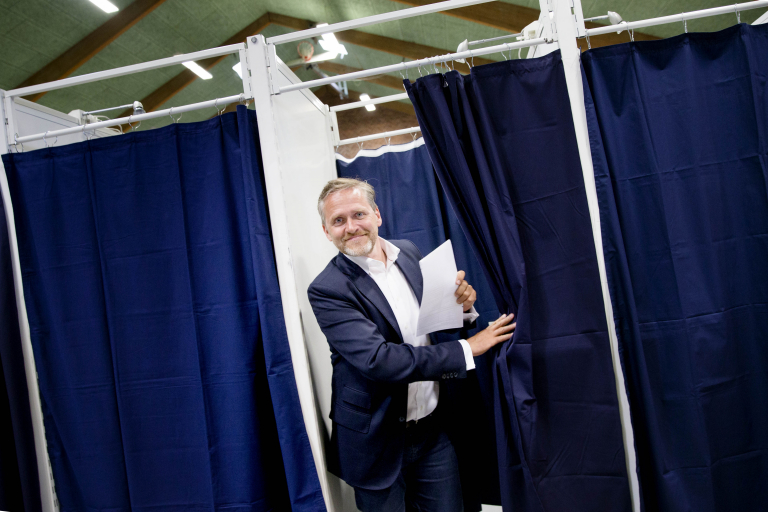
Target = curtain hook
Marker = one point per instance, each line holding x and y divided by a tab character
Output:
360	145
389	141
413	135
45	141
16	143
242	99
589	45
631	34
738	14
685	22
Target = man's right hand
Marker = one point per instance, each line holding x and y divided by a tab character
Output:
495	333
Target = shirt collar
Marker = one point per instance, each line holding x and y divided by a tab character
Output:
372	266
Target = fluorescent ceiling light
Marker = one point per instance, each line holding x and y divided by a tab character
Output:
196	69
331	44
238	69
105	5
365	97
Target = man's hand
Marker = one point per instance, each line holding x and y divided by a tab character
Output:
498	331
465	294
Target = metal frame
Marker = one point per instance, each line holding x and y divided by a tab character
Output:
677	18
385	135
421	63
135	118
372	101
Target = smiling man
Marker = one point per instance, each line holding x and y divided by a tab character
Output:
387	441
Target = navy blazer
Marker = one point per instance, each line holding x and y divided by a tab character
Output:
372	368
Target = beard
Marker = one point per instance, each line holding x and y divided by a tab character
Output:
359	248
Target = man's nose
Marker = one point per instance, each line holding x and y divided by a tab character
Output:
351	226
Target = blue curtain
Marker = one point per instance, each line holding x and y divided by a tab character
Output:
157	325
679	137
503	145
413	207
19	484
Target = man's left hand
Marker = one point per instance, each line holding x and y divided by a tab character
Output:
465	294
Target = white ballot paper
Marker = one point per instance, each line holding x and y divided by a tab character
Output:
438	309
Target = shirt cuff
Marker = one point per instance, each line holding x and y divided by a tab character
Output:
471	315
468	355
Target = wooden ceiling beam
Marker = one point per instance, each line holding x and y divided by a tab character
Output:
69	61
513	18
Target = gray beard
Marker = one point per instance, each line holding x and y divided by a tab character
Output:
362	251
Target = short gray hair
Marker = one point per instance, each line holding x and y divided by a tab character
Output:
344	184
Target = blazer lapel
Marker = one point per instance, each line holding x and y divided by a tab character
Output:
412	272
369	288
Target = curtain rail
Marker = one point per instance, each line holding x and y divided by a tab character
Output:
402	66
372	101
383	135
133	118
677	18
125	70
373	20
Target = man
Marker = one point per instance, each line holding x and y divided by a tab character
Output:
387	441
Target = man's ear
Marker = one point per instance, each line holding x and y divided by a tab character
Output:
378	217
327	235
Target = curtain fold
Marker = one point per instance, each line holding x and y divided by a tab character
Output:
678	136
156	320
19	483
503	145
413	206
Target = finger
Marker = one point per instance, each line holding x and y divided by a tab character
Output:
464	296
460	277
506	328
504	321
493	323
461	289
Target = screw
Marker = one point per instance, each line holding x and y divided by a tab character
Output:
253	39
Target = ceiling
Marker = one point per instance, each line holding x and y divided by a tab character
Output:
36	34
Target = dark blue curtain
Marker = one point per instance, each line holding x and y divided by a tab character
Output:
157	325
679	137
19	484
413	207
503	145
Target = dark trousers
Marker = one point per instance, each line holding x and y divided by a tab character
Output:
429	479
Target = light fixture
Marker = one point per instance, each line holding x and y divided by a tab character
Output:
238	69
196	69
365	97
138	108
331	44
105	5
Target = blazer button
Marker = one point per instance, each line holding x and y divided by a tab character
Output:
443	376
401	418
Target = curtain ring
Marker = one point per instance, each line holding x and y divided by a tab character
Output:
16	143
242	99
738	14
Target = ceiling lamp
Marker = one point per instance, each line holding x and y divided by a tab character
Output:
105	5
196	69
331	44
365	97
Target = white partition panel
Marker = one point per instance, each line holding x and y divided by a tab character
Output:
298	156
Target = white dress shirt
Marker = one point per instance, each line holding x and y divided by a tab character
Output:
422	396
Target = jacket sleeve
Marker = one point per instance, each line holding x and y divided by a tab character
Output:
358	340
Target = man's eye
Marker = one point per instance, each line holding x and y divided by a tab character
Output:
359	214
337	221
